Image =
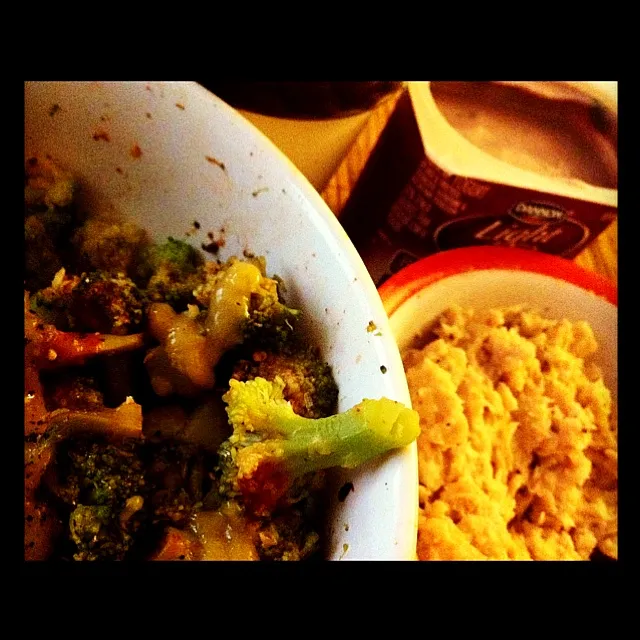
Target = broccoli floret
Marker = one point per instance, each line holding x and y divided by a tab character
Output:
309	384
176	475
121	495
287	536
50	215
41	257
108	245
105	486
107	304
270	323
170	272
92	302
271	446
54	304
176	256
47	186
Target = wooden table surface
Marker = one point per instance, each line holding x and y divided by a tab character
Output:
600	256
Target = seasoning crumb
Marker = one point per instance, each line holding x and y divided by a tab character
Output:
383	369
196	224
216	162
136	151
212	247
180	106
377	334
345	548
346	526
119	170
54	109
371	327
257	192
344	491
148	115
101	135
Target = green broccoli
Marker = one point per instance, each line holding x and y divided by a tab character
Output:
170	272
54	303
108	245
41	257
106	489
107	304
271	323
309	384
50	216
91	302
177	480
121	494
47	186
272	447
287	536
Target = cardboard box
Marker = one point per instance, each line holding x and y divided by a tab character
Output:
430	186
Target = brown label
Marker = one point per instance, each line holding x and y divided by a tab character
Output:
405	207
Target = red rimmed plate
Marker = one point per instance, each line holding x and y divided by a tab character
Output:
442	265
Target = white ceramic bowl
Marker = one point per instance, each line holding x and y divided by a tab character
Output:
489	277
168	154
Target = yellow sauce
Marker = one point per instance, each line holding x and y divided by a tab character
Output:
225	535
229	306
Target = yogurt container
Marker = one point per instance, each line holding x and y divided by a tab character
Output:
521	164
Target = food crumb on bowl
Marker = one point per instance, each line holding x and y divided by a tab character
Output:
101	135
518	450
212	160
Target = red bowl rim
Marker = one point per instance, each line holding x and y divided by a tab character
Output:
408	281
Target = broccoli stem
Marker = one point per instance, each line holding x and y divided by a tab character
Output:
346	440
271	446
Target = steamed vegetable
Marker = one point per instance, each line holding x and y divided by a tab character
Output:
272	447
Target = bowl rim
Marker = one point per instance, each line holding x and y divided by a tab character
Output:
426	271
